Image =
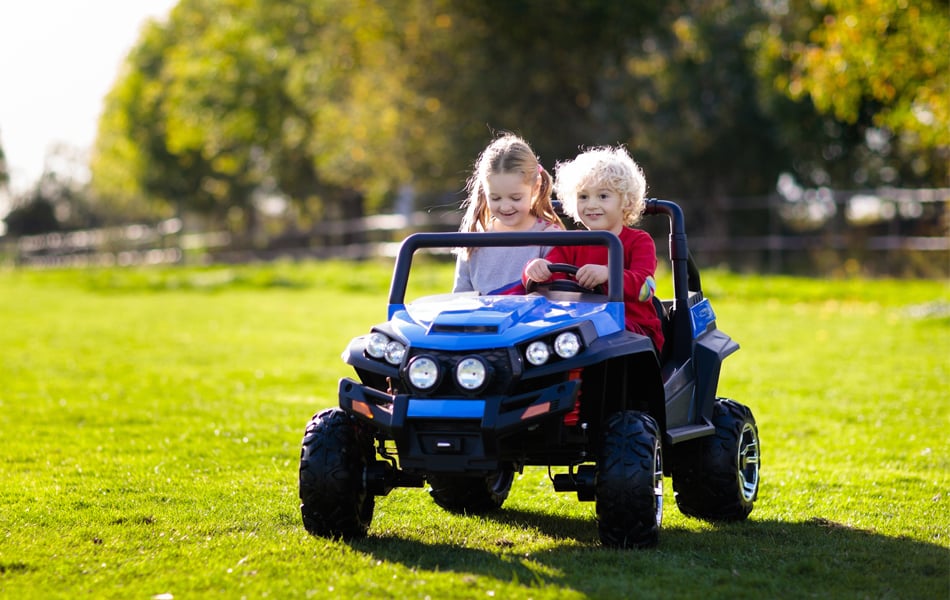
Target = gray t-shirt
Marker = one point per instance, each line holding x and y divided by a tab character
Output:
497	270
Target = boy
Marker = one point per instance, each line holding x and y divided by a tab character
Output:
604	189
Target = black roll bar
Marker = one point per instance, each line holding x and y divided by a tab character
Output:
685	273
416	241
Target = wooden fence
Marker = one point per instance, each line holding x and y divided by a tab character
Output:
886	230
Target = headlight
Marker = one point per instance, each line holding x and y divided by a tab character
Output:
567	345
537	353
376	345
470	373
394	353
423	372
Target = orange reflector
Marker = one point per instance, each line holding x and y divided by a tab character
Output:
535	410
362	408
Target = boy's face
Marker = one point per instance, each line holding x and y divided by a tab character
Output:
600	209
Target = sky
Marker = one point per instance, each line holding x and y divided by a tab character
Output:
58	60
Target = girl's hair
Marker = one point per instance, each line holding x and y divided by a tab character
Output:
606	167
507	153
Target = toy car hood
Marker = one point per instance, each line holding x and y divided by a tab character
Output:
496	320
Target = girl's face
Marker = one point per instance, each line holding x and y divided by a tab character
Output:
600	209
509	200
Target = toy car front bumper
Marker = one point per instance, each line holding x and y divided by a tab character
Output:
454	434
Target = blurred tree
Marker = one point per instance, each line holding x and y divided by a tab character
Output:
366	123
535	68
338	104
191	120
56	202
35	214
134	176
890	53
683	99
307	99
329	101
875	73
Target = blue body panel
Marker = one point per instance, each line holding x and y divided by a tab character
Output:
445	409
701	316
495	321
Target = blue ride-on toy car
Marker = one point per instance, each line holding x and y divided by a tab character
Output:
462	392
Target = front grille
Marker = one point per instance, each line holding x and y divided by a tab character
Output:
498	359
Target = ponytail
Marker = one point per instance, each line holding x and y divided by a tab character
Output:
543	207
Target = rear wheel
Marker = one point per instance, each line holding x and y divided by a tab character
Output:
629	490
717	477
471	495
334	501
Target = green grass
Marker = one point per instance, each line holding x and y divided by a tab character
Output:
150	423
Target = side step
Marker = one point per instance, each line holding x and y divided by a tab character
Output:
688	432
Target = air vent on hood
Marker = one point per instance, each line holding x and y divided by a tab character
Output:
443	328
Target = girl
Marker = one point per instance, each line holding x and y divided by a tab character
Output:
604	189
508	190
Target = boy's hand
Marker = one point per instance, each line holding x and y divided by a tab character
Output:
590	276
537	270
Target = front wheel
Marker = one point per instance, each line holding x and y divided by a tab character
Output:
471	495
629	490
717	477
334	501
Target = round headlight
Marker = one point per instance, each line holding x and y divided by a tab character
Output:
376	344
537	353
423	372
470	373
567	345
395	352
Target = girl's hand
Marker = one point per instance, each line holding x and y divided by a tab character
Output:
537	270
590	276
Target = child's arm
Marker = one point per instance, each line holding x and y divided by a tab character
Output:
639	268
463	277
591	275
539	266
536	270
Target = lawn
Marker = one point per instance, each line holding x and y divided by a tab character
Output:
150	423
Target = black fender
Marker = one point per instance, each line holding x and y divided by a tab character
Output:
625	375
708	353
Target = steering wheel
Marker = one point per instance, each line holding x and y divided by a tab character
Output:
564	285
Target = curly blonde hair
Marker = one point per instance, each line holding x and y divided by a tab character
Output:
606	167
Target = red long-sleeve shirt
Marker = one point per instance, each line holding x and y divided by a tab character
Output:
639	265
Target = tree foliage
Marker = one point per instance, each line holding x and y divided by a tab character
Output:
58	200
888	52
35	216
684	100
311	99
875	73
55	203
333	103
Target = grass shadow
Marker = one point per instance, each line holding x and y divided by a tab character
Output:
753	559
579	529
